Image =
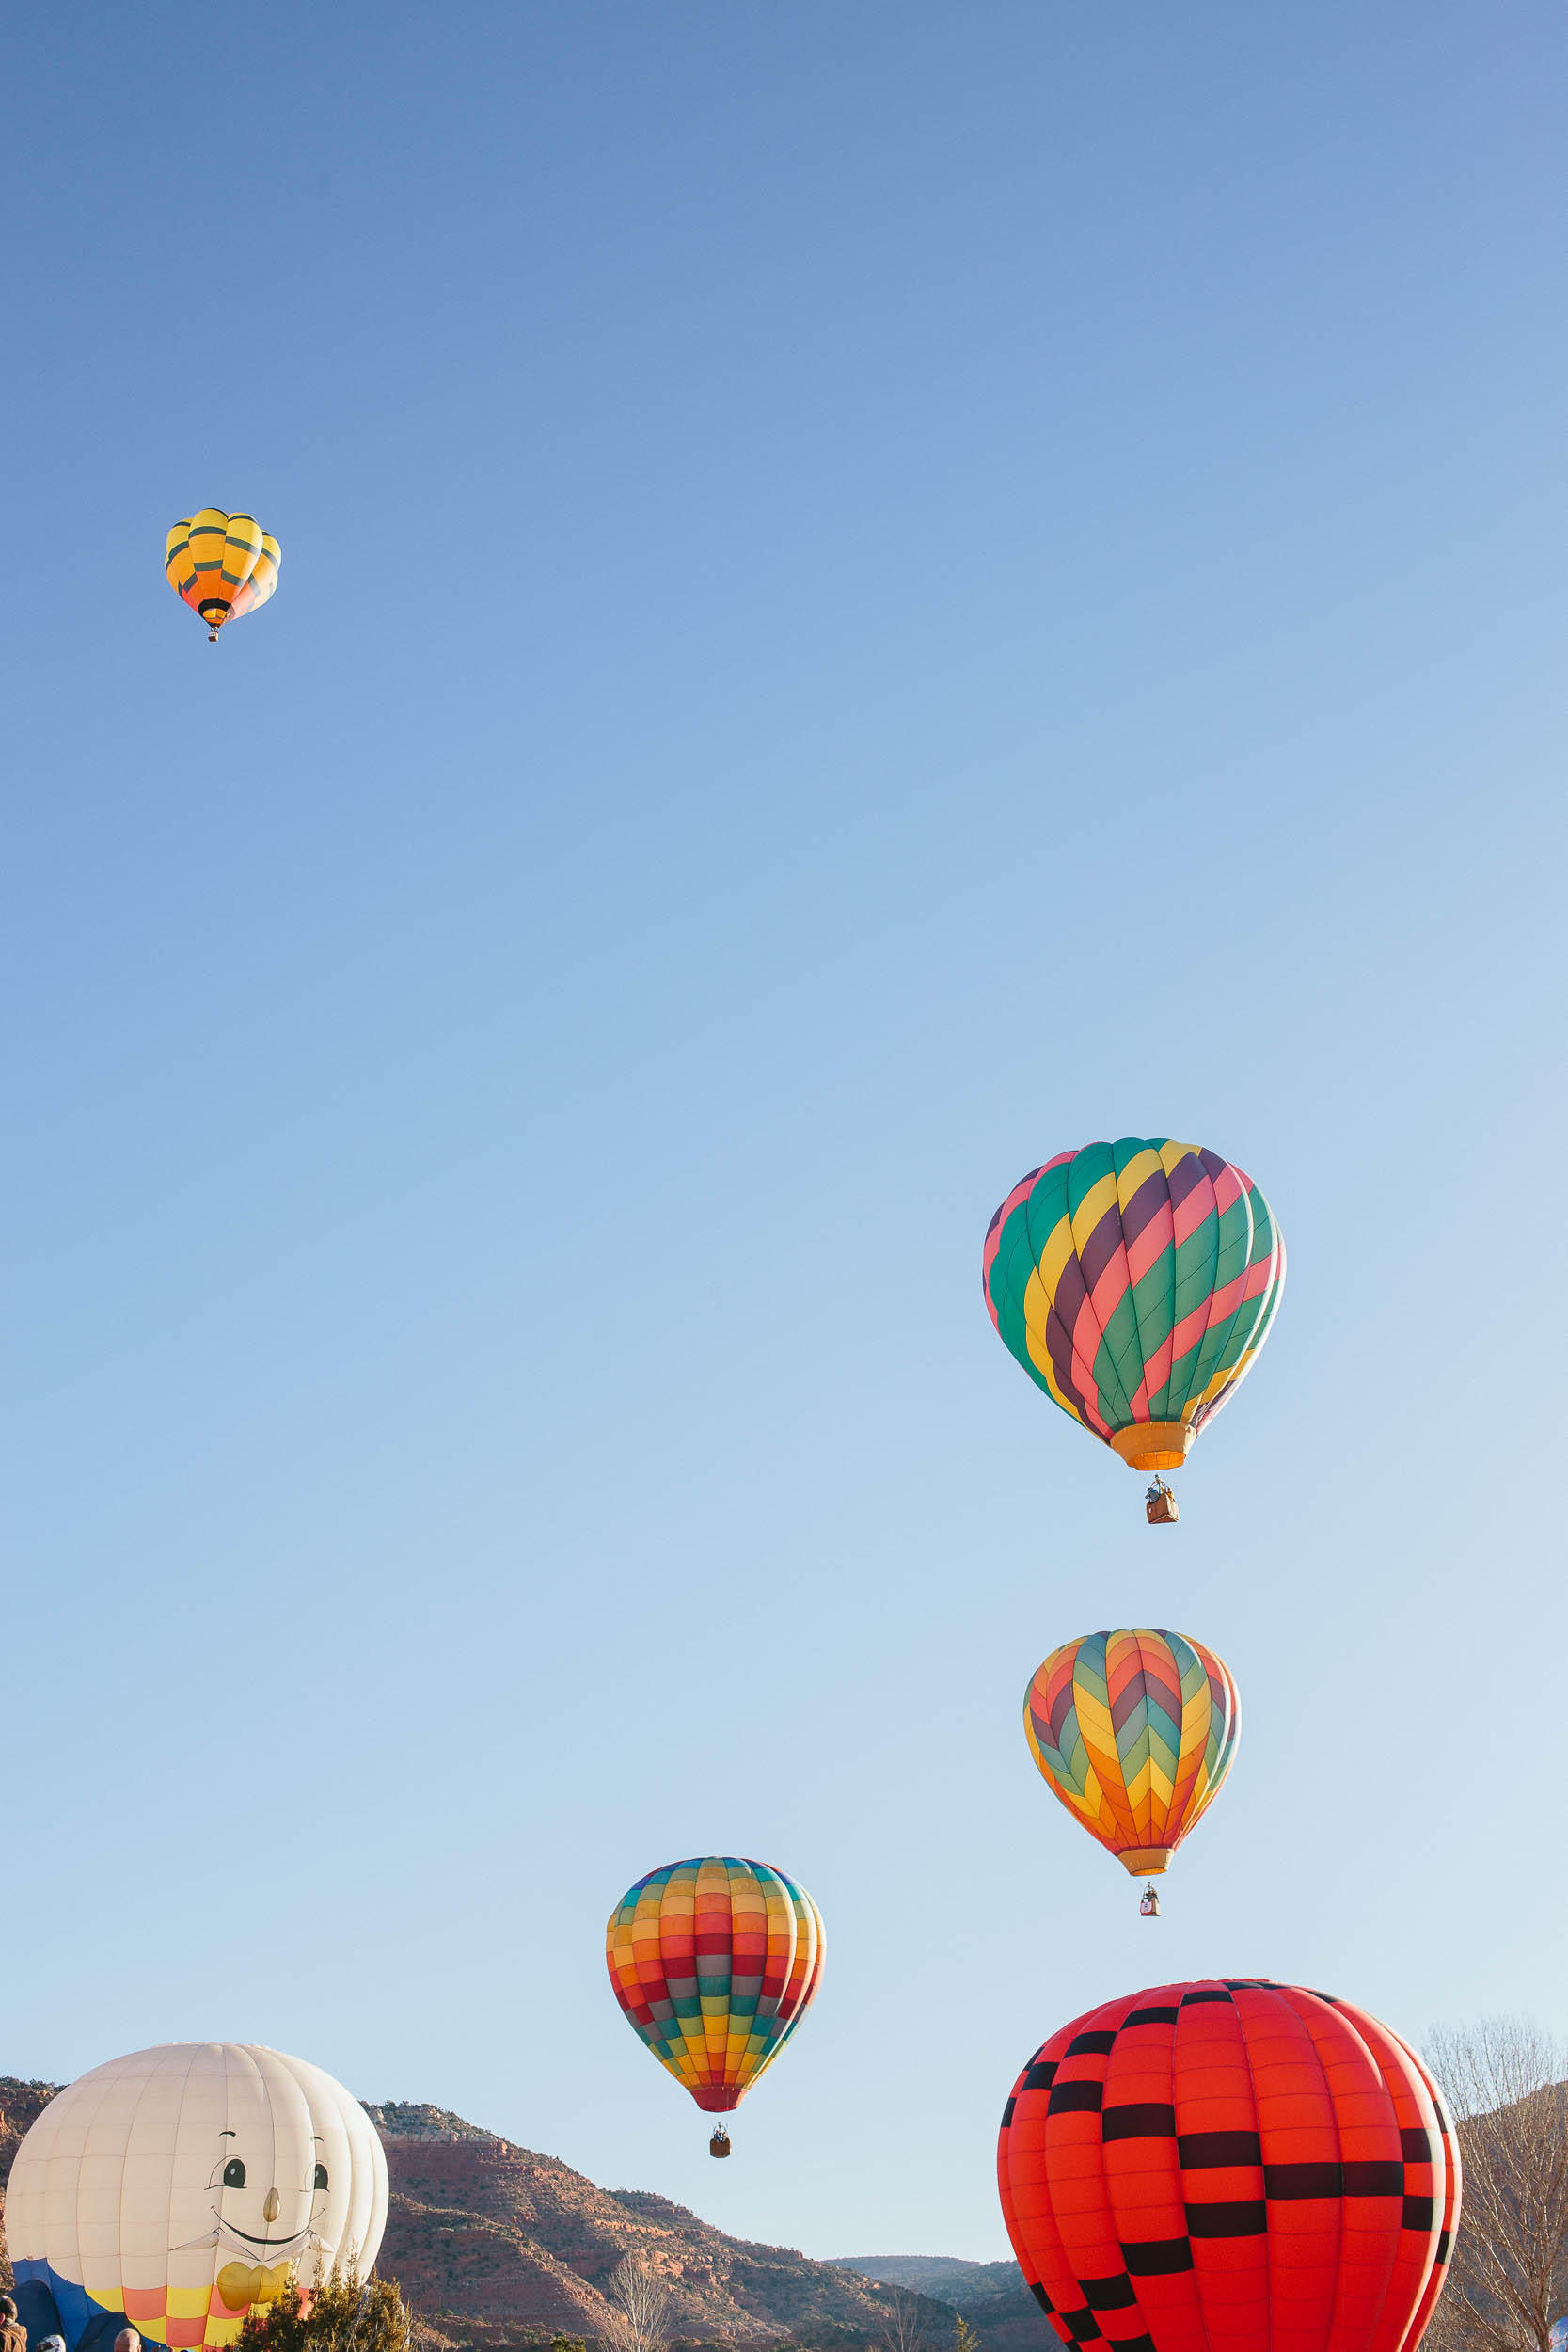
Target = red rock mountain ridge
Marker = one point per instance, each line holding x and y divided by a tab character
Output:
499	2246
495	2246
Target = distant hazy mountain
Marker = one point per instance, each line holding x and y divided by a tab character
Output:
992	2295
944	2275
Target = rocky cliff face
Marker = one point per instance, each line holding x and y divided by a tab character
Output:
496	2246
19	2103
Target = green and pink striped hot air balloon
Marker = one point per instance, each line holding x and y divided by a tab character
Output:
1135	1282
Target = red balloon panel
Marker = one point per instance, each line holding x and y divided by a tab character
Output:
1230	2166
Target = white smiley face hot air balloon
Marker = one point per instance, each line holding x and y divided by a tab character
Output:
181	2185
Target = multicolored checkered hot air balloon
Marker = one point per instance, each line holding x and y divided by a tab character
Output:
1134	1731
1226	2167
715	1963
1135	1282
222	565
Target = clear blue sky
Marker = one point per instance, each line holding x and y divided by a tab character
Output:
869	593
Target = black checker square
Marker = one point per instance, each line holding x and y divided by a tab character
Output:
1081	2326
1138	2120
1157	2256
1207	2152
1075	2098
1382	2176
1116	2294
1237	2216
1285	2183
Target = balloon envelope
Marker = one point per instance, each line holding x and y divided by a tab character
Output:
1229	2167
1135	1282
144	2188
222	565
715	1962
1134	1731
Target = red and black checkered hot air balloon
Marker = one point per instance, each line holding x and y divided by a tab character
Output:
1230	2166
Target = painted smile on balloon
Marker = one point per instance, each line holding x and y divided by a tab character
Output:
293	2239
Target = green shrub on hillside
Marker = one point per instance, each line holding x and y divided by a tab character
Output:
343	2317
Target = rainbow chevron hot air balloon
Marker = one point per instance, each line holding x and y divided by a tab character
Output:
1134	1731
1135	1282
715	1962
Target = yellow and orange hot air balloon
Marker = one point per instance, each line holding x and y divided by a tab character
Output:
715	1961
1134	1731
222	565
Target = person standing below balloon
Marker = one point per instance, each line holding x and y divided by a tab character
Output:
14	2336
106	2329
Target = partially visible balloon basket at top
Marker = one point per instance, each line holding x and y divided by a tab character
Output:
1160	1505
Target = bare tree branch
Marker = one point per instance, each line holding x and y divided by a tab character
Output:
1504	2080
902	2327
639	2298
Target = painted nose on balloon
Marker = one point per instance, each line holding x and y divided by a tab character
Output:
273	2207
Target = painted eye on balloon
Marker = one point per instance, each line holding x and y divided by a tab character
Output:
320	2181
233	2173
